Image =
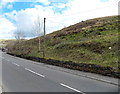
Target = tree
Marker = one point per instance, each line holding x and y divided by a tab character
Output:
19	35
38	30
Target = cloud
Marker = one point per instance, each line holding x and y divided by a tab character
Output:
3	3
26	19
104	0
45	2
8	0
6	28
88	9
10	6
76	11
62	6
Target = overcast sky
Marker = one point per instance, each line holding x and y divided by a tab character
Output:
58	14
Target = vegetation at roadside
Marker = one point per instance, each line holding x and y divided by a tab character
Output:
4	42
92	41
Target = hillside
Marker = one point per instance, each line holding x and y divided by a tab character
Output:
4	42
92	41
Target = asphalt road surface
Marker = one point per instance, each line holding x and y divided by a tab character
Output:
20	75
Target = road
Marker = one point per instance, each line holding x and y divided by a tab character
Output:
20	75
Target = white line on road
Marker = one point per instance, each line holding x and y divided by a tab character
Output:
34	72
72	88
16	64
0	90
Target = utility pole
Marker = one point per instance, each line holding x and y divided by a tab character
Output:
44	39
39	30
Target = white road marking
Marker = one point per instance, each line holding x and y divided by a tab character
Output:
82	75
16	64
0	90
34	72
71	88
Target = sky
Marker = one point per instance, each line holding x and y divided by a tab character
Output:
25	14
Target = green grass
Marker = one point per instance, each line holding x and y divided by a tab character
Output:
85	42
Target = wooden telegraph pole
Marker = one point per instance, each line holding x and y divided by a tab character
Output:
44	39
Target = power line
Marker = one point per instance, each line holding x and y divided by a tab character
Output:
56	22
84	11
64	23
60	22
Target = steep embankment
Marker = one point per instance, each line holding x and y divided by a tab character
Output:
92	41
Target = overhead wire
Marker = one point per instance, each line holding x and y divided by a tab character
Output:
55	22
83	11
48	18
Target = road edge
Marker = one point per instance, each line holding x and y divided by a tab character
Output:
82	75
94	78
91	68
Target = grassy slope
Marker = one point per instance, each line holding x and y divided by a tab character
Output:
4	42
85	42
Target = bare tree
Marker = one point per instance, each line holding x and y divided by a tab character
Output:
19	35
38	29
